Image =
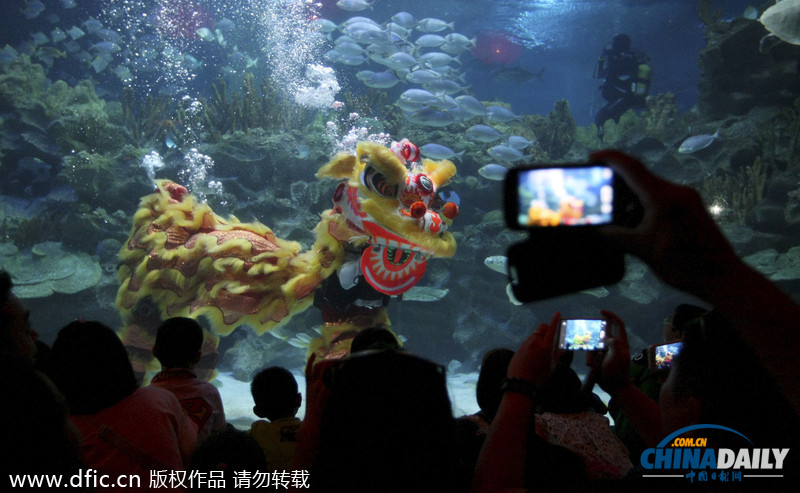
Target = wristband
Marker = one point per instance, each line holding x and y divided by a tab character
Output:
524	387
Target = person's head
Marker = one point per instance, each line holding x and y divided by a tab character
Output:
684	316
228	453
562	392
16	335
178	343
89	364
374	338
275	394
621	43
38	435
494	369
388	415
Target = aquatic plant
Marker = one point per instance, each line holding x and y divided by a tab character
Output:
555	132
146	121
258	105
370	104
780	140
740	192
662	118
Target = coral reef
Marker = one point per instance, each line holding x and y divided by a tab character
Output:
662	118
555	132
737	194
736	77
258	105
46	269
147	121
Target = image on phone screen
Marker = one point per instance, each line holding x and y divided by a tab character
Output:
583	334
665	354
566	196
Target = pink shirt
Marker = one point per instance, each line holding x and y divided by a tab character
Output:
200	400
145	431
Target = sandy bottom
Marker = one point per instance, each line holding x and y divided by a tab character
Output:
239	403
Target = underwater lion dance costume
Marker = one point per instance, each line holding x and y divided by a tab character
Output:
182	259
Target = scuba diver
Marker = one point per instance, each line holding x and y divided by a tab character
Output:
627	80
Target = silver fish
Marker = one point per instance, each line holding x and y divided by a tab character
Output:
381	80
505	153
438	152
429	41
354	5
430	25
500	114
437	59
431	118
518	142
697	142
32	9
483	133
510	293
494	172
471	105
424	294
422	76
498	263
405	20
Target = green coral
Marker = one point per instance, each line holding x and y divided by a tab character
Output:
555	133
148	121
259	104
662	118
738	193
46	269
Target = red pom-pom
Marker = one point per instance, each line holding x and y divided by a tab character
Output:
450	210
418	209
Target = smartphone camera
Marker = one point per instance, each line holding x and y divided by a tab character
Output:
582	334
563	207
568	196
662	355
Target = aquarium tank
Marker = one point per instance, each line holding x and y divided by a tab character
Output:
129	128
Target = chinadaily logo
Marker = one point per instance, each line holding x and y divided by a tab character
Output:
691	458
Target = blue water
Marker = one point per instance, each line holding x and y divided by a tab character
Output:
157	53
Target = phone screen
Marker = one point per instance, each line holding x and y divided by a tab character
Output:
565	196
580	334
664	354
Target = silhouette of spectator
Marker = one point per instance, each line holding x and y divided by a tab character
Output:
237	457
565	416
16	335
648	380
276	398
125	430
471	430
385	425
680	242
38	437
177	347
375	338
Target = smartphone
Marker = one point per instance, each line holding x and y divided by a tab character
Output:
582	334
565	195
661	356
